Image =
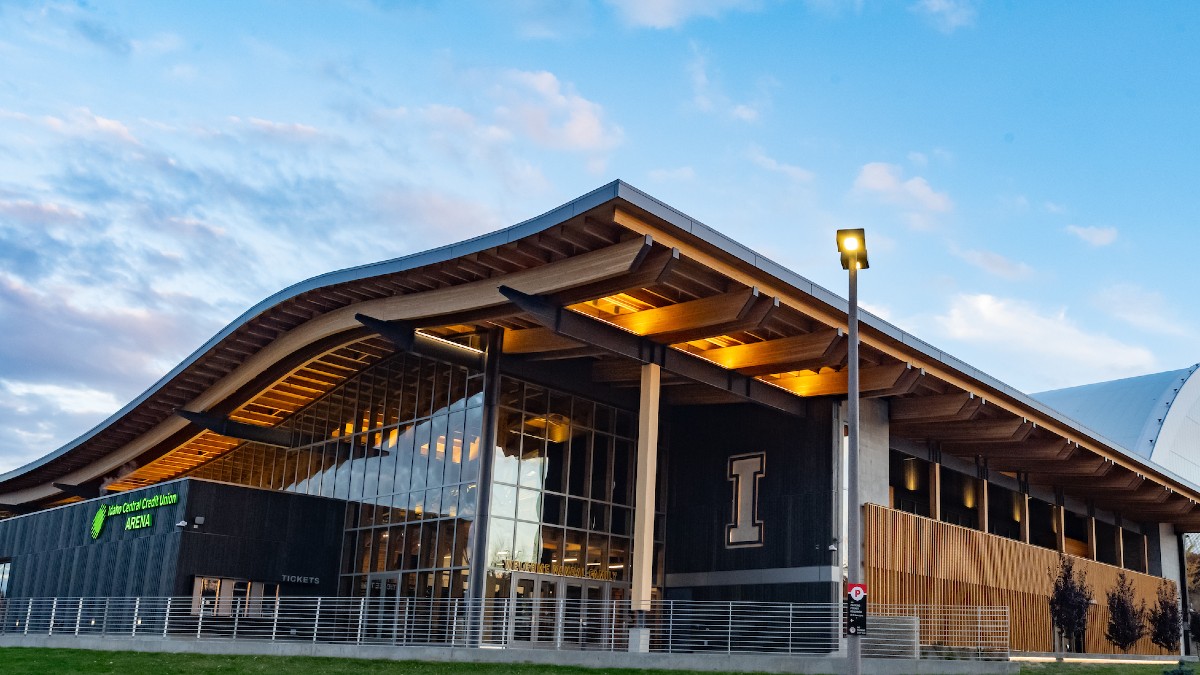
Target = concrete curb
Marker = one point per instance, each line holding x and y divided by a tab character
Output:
764	663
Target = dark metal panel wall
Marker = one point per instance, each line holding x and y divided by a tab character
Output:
255	535
261	535
795	498
54	554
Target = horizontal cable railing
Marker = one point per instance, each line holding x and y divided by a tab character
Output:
673	626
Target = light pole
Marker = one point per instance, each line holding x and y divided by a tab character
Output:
852	244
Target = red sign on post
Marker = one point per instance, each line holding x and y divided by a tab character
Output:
856	609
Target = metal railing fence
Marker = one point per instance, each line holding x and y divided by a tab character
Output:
895	631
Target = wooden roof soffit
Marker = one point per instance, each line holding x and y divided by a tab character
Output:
939	408
696	319
873	381
818	311
1029	449
816	350
588	330
224	426
978	431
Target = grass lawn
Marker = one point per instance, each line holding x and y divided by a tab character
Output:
21	660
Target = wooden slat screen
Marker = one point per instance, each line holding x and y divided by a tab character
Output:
915	560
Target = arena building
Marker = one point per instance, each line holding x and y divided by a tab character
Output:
611	401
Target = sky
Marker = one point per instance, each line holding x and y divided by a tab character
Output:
1026	172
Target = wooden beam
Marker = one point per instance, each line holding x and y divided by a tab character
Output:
1011	449
1090	466
691	320
1010	429
834	383
536	340
939	408
813	351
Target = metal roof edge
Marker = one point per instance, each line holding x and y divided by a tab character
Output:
924	349
482	242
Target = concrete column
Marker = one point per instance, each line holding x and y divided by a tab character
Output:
874	442
644	495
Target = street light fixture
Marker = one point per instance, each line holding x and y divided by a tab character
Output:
852	244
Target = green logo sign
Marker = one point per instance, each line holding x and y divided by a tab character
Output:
133	522
98	521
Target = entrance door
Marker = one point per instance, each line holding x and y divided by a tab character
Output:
561	612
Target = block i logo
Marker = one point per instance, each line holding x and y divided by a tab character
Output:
745	472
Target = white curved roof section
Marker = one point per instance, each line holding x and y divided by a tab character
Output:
1155	416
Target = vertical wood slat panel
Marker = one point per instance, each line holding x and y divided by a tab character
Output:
911	559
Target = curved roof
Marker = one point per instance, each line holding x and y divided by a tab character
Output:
727	320
1129	411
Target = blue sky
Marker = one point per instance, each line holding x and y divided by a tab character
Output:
1026	172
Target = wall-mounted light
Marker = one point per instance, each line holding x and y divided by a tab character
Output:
911	472
969	494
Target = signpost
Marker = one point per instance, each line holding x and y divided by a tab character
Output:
856	609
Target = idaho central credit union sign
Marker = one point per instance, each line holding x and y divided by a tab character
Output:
135	519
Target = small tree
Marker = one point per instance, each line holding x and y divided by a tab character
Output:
1126	620
1166	620
1069	600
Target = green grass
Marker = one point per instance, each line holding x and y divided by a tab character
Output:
22	660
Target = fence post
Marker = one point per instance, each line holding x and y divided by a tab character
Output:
28	613
275	619
670	626
362	614
78	616
729	631
167	618
395	617
104	619
237	610
791	622
454	623
53	611
200	622
137	607
317	620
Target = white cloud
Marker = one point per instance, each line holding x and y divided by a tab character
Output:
996	264
795	173
83	122
72	400
947	15
1044	342
1096	236
744	112
39	213
915	195
1052	207
682	173
708	97
918	159
539	106
671	13
285	131
1143	309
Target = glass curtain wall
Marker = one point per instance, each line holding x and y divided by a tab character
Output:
563	482
400	441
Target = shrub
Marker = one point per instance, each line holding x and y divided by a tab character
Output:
1166	620
1126	620
1069	600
